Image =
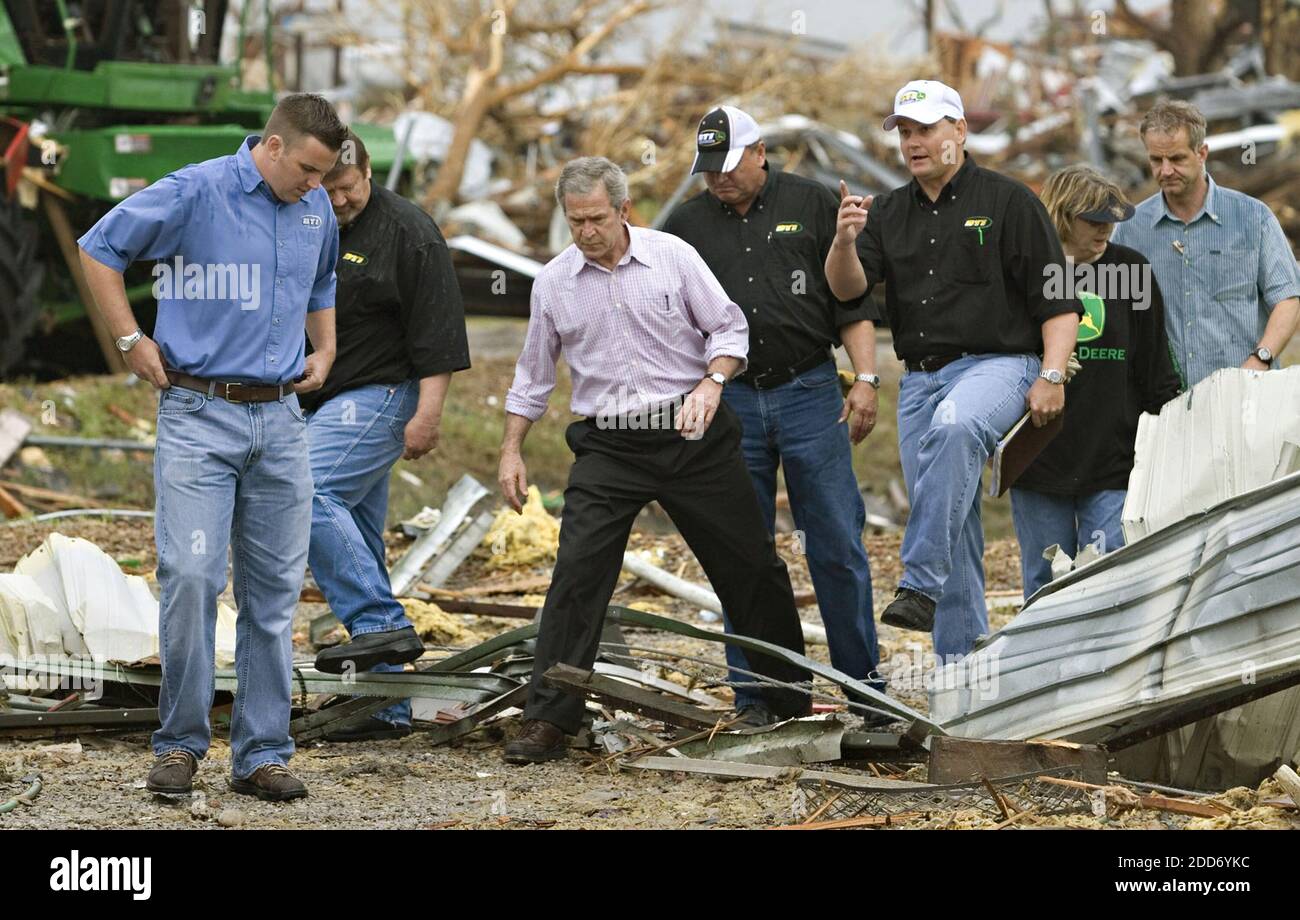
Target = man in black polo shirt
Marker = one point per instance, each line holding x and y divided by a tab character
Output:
401	332
963	253
765	234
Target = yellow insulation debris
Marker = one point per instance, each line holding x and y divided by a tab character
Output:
523	539
436	625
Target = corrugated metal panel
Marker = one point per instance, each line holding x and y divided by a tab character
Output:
1188	613
1225	436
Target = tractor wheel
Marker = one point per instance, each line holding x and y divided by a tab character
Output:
20	281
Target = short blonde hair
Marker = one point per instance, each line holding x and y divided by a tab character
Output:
1077	190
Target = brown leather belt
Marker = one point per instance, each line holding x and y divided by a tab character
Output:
231	392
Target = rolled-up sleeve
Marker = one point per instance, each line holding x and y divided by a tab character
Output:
711	310
1279	277
535	370
148	225
323	290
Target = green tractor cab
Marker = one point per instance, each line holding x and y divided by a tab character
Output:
97	100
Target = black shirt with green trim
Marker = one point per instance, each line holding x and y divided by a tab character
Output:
1128	369
771	262
399	314
964	274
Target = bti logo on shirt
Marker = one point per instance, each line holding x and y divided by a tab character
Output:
311	220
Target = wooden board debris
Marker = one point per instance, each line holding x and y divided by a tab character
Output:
961	760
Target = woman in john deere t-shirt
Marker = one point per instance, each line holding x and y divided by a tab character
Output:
1073	494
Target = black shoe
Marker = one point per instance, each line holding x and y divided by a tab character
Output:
755	715
173	773
372	729
271	782
910	610
537	742
394	646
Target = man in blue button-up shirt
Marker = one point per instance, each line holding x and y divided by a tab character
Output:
1230	282
244	249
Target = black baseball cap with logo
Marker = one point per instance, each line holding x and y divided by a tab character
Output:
723	136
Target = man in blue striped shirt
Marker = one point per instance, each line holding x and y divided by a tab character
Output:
243	249
1229	279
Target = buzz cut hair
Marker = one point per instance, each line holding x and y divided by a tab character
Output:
300	115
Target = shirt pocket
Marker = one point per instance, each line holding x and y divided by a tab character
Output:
970	258
661	316
1233	274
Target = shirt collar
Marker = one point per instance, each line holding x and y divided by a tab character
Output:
249	176
1209	209
637	248
958	183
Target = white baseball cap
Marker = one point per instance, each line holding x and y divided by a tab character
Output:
926	101
721	141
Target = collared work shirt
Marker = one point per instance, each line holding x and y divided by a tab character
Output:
634	337
1221	273
968	273
771	261
399	313
237	269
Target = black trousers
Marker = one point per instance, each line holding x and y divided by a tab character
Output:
706	490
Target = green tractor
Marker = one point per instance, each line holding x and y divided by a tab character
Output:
99	98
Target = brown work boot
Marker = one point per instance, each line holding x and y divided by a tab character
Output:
537	742
271	782
173	773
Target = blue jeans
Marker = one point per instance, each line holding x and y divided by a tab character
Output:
949	422
796	426
356	437
229	476
1070	521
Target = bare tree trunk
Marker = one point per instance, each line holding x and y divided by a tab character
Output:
1280	36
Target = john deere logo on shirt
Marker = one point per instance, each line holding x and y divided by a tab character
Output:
1094	317
311	220
354	257
712	137
788	226
979	225
911	96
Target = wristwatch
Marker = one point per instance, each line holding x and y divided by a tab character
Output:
872	379
126	342
1052	376
1263	354
717	377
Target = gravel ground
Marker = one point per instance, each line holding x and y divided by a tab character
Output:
97	780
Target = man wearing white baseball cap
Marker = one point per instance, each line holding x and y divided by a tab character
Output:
962	252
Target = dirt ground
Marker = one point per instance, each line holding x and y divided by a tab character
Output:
97	780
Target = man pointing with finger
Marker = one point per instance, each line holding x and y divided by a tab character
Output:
962	252
765	234
650	338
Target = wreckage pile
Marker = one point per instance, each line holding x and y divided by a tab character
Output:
652	711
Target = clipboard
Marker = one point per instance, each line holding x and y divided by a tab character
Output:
1018	449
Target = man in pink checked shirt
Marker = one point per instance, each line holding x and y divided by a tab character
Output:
650	338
